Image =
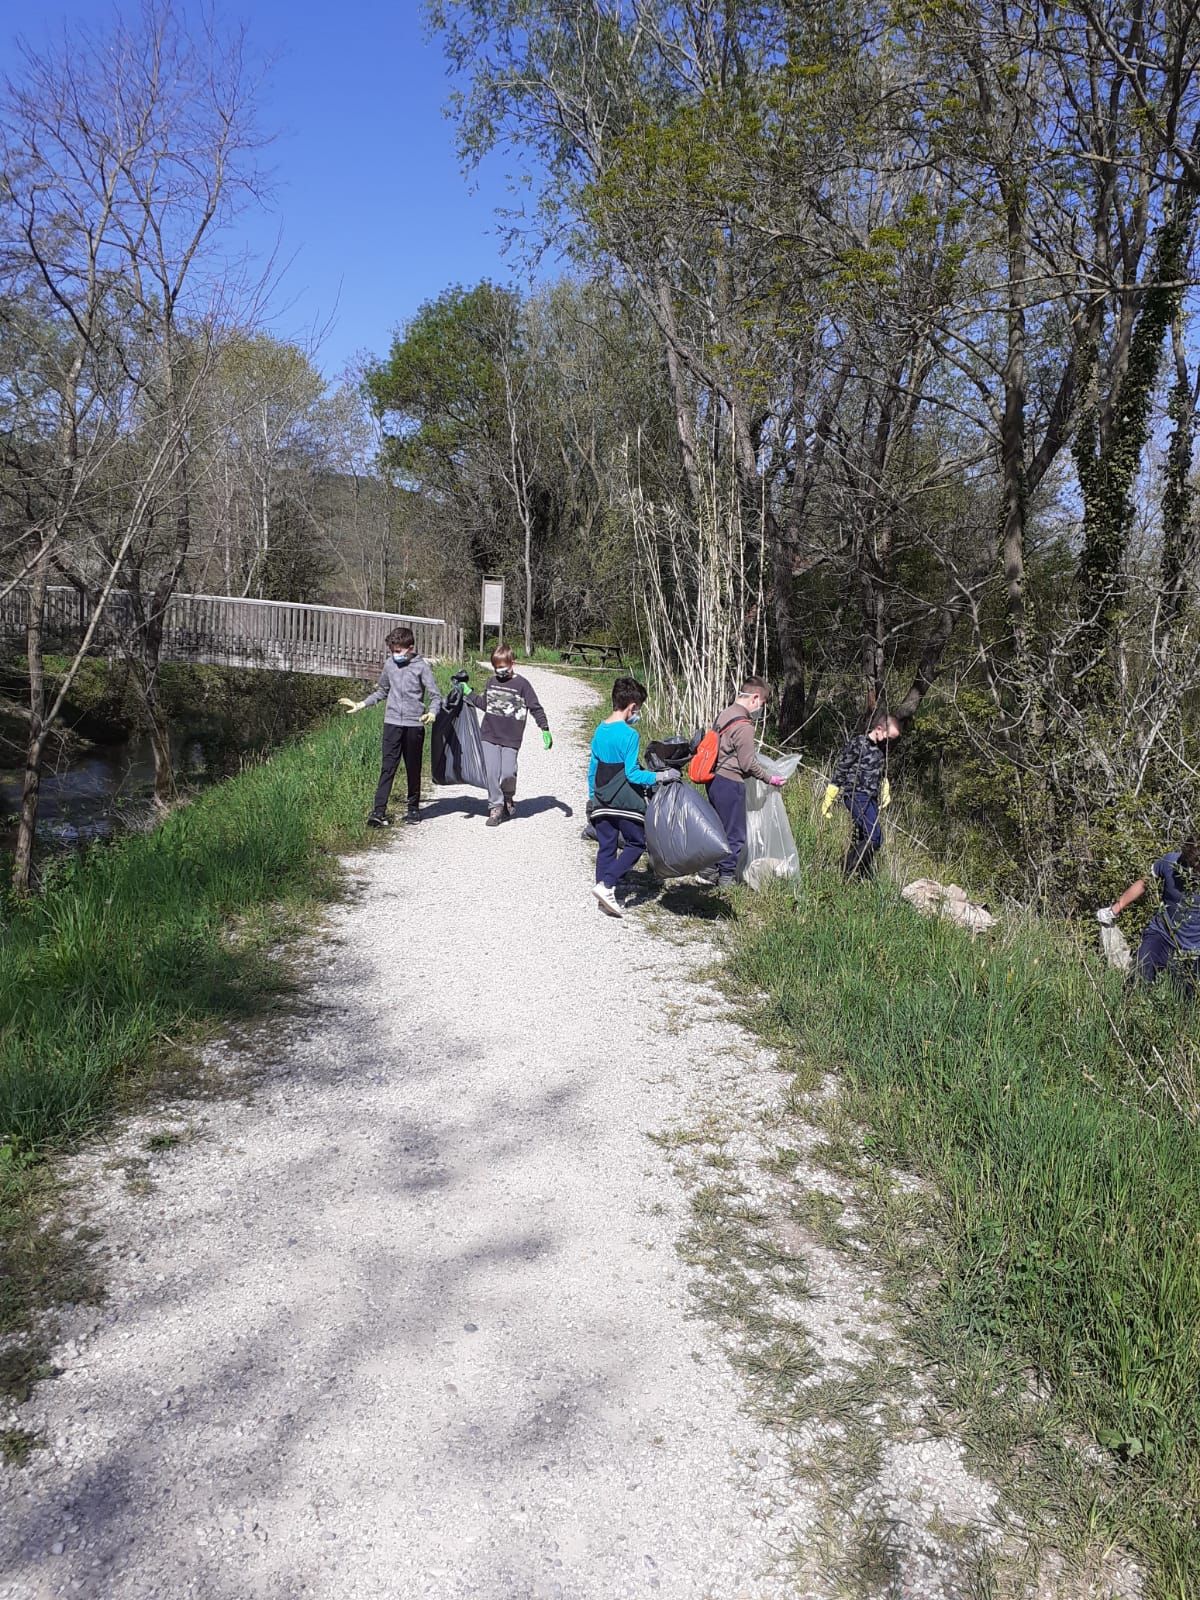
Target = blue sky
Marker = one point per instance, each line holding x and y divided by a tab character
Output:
374	213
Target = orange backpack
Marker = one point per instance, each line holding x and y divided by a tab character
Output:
702	768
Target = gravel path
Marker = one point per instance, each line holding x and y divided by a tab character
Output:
409	1320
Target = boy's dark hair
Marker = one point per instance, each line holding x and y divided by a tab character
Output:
628	692
1189	856
401	639
756	686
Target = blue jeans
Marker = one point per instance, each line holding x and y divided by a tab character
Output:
866	836
611	867
728	800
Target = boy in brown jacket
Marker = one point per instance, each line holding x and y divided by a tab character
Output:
737	760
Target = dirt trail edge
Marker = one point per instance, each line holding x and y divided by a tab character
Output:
410	1319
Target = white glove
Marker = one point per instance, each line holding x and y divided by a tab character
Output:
351	705
671	775
1106	916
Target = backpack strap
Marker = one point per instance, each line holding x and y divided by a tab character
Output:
720	733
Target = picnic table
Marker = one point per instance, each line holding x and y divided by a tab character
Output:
586	653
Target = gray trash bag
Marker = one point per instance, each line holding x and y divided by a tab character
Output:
456	749
770	849
683	833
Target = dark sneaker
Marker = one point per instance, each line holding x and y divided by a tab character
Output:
510	807
708	877
495	817
412	815
376	821
726	882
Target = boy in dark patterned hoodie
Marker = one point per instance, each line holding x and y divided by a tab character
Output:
860	777
507	701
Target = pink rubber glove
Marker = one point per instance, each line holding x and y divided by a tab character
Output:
777	783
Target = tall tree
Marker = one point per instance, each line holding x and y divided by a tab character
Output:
124	153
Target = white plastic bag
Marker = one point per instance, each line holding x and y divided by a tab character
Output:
770	849
1116	949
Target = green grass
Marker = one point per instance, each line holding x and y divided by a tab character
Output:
128	944
1056	1117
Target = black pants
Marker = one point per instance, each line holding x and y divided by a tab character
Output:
400	743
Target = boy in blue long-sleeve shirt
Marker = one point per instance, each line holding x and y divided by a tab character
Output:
619	786
1171	941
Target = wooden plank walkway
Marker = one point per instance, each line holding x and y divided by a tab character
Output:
225	631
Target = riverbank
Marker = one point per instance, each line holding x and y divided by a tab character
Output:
98	778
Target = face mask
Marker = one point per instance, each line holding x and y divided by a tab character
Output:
399	659
503	673
635	716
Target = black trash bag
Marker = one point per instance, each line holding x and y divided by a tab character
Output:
456	750
588	831
683	833
676	751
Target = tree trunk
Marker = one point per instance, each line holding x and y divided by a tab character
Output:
528	583
1108	467
787	635
36	739
685	426
152	632
160	745
1177	546
930	664
1012	434
871	613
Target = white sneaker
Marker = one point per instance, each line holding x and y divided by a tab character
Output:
608	900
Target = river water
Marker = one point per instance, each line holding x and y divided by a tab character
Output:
99	791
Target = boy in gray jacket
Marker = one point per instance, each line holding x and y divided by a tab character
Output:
410	689
737	760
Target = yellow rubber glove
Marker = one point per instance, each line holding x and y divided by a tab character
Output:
885	796
429	716
831	793
351	705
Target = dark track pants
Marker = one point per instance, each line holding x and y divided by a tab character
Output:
400	744
611	867
1156	953
728	799
866	836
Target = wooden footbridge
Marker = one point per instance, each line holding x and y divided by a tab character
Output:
225	631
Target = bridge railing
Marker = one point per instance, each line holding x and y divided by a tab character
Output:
226	631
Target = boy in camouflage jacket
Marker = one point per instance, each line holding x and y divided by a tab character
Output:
860	777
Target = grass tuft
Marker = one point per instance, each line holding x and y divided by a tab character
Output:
1043	1105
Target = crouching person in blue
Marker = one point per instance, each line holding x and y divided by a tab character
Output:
619	787
1171	941
860	777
